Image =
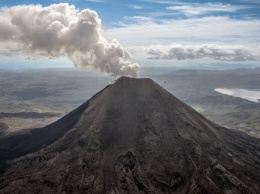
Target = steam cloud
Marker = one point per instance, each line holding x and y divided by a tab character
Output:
223	53
60	29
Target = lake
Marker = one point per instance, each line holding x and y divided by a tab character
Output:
251	95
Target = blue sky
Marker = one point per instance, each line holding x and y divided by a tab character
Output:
140	24
115	11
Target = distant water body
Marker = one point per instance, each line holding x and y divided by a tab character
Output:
251	95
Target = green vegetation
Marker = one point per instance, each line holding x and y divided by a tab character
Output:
198	108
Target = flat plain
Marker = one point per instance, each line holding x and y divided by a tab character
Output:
35	98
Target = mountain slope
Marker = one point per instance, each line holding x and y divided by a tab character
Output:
135	137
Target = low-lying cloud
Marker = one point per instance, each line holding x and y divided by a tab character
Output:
213	51
62	30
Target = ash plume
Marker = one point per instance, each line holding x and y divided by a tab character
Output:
62	30
213	51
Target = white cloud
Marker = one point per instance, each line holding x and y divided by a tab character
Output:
136	6
205	8
213	51
138	20
146	31
62	30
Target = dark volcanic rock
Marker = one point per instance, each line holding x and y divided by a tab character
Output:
132	137
3	127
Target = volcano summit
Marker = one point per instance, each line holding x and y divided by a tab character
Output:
131	137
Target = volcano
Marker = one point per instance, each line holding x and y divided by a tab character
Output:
131	137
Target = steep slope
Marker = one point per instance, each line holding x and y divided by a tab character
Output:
23	143
135	137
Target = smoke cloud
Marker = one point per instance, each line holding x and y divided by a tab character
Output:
223	53
62	30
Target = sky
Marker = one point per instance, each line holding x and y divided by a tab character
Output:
158	33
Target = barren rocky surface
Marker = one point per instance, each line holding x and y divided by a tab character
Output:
3	127
131	137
